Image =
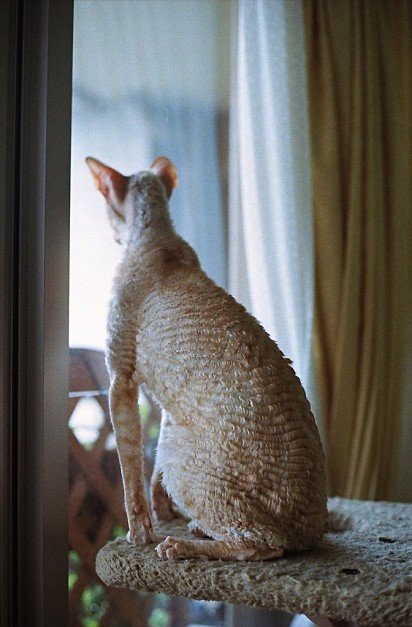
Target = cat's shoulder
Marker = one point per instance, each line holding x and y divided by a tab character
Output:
191	286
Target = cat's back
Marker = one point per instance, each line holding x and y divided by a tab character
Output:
187	314
194	336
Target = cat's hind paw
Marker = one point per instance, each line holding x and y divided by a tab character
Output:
168	549
175	549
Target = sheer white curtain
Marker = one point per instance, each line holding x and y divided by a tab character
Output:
271	267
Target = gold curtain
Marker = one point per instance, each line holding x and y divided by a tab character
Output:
359	55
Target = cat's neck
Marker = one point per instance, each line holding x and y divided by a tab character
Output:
154	234
140	251
144	258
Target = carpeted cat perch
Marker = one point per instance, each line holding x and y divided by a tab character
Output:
362	573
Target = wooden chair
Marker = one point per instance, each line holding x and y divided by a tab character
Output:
96	498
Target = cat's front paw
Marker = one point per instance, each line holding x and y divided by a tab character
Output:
140	526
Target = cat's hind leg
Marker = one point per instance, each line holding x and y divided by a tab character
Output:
161	503
195	530
227	550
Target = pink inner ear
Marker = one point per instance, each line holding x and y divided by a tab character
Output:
108	181
166	171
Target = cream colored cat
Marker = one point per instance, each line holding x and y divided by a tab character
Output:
239	452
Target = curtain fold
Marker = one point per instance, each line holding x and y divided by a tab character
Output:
359	72
270	205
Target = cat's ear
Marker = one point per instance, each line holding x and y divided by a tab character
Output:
166	170
109	182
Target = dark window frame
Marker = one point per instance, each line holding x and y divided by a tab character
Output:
35	104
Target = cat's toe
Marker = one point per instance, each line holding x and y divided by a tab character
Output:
168	549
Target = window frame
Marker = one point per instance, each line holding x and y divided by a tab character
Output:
35	148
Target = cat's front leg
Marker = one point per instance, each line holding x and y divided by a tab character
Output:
127	429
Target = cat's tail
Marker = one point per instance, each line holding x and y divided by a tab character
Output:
338	521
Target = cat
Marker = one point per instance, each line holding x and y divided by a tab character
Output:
239	452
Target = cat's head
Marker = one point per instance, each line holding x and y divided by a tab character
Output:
135	202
